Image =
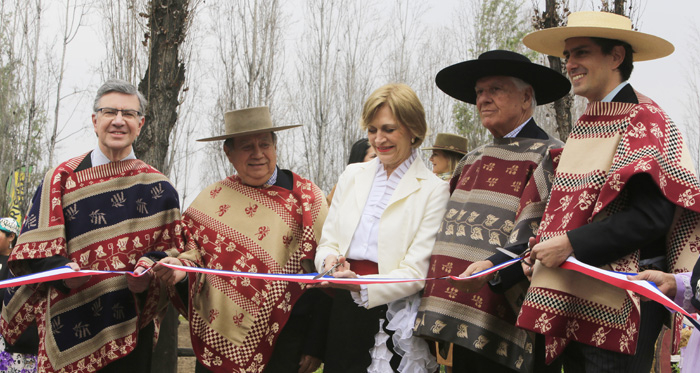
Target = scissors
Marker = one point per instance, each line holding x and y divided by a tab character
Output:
522	256
330	270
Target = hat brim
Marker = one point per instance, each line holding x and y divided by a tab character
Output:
444	149
552	41
460	79
245	133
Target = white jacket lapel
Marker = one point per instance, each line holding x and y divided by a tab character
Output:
410	182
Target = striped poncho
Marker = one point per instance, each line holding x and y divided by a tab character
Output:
104	218
500	191
610	143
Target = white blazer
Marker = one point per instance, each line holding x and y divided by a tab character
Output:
407	228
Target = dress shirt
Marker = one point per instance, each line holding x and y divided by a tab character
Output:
517	130
99	159
614	92
363	245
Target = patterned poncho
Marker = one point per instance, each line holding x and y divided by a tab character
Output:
500	191
234	322
103	218
609	144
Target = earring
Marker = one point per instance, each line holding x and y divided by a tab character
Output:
413	140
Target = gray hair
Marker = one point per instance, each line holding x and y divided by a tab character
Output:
521	85
119	86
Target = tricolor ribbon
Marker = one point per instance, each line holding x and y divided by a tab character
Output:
60	273
618	279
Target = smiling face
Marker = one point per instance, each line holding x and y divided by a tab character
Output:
254	157
593	74
501	104
390	139
116	134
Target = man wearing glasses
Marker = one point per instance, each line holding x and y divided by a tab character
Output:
103	210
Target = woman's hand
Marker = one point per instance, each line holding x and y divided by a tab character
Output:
168	275
341	271
666	282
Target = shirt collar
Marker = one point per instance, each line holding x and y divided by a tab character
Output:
273	178
98	158
614	92
517	130
401	169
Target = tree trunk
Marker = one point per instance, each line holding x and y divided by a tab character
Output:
161	85
163	79
562	106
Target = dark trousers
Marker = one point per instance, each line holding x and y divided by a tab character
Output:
582	358
466	360
351	336
139	360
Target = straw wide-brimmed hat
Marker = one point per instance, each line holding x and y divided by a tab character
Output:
249	121
600	25
450	143
460	79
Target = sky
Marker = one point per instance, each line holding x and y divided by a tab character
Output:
663	80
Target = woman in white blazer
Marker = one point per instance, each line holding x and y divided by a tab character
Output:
382	223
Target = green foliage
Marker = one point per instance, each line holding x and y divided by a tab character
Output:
500	24
497	24
468	124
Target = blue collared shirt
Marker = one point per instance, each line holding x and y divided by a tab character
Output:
614	92
517	130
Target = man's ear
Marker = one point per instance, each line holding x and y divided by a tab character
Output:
528	96
618	54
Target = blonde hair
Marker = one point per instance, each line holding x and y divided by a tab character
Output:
453	159
404	105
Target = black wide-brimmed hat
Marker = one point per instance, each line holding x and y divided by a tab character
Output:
460	79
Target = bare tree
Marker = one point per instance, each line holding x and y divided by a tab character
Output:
692	117
168	21
553	16
246	71
405	29
315	98
71	24
356	72
34	97
493	24
124	27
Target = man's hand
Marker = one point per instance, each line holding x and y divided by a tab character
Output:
75	282
474	284
138	284
309	364
666	282
553	252
168	275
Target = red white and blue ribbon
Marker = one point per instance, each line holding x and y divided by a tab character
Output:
60	273
618	279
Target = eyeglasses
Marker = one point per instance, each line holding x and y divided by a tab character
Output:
110	113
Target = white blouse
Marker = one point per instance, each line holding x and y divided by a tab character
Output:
363	245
